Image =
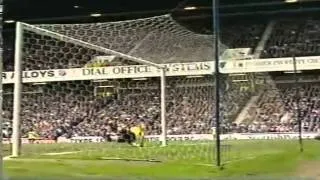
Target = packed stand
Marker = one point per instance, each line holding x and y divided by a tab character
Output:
276	109
243	34
71	109
294	36
53	110
190	108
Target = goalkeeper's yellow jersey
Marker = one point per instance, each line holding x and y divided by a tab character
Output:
32	135
138	130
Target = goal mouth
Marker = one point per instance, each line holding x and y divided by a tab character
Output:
77	96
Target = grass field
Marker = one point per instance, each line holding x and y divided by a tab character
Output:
259	159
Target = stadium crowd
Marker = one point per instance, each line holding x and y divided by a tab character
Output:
277	109
73	109
60	110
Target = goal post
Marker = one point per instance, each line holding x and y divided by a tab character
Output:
17	90
163	108
18	74
1	97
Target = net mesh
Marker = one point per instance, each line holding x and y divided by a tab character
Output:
43	52
158	39
88	115
87	109
96	110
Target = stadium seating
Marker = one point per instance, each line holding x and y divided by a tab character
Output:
276	109
72	109
298	34
62	110
242	34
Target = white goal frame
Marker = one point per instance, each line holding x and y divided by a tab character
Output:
1	110
18	57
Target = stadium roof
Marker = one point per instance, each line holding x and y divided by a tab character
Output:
84	11
52	11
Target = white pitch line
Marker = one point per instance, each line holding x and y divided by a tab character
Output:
241	159
6	158
231	161
61	153
189	144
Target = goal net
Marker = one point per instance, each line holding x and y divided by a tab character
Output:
83	83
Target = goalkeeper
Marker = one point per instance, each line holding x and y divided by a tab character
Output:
136	135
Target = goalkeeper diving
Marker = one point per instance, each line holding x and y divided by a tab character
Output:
135	135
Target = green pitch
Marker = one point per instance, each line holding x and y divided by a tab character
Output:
177	160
